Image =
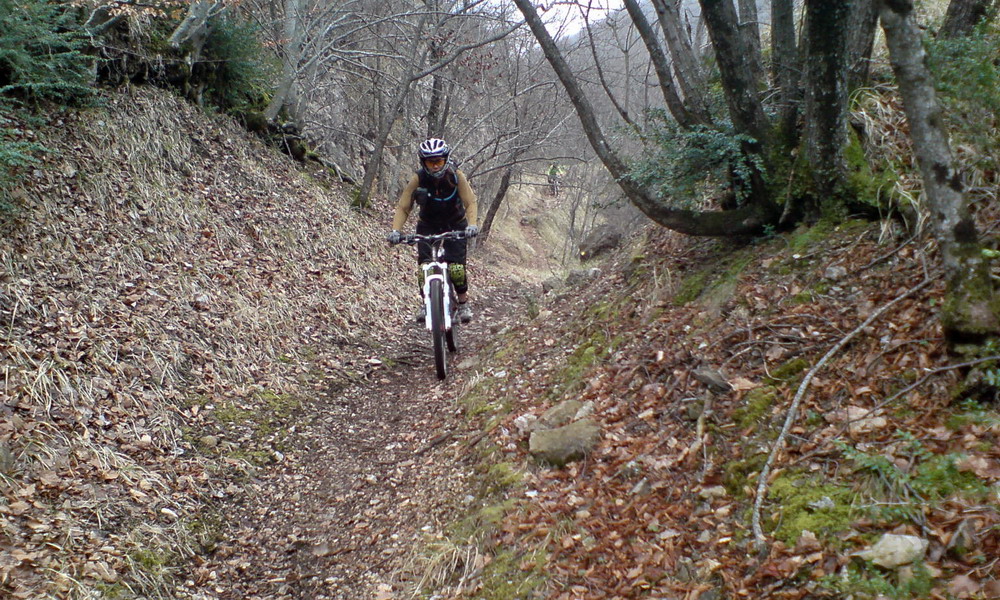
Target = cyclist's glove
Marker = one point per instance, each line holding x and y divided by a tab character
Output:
394	237
471	231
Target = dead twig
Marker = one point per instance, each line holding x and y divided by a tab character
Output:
435	442
799	395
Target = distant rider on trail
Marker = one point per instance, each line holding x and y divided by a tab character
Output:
447	203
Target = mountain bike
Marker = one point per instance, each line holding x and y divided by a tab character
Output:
440	298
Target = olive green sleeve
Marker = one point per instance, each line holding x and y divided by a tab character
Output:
405	204
468	199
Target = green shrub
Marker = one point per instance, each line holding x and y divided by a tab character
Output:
15	154
42	53
683	165
244	71
41	59
968	79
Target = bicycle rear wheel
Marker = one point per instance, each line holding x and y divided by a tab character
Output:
438	333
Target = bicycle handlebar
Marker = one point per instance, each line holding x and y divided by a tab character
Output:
413	238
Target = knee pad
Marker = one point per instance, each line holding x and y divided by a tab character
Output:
456	272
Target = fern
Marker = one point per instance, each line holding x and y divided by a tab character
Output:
930	478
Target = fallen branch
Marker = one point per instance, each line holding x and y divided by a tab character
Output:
435	442
799	395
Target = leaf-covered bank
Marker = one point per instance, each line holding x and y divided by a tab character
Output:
164	279
690	367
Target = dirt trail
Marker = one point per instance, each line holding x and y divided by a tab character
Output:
380	464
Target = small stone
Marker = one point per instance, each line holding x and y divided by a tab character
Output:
713	492
209	441
824	503
894	550
835	273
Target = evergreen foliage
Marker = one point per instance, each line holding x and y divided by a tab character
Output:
42	58
42	53
243	71
968	77
684	165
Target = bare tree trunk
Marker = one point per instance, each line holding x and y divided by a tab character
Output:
826	97
963	16
860	41
194	28
970	310
686	70
751	33
784	66
293	33
739	85
435	121
661	65
498	198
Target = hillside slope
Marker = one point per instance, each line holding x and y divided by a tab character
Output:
167	276
689	355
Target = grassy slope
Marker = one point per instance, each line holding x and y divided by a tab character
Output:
169	292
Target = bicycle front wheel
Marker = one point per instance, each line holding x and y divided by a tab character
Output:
438	331
452	333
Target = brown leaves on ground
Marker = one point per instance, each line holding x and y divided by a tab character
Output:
657	511
167	292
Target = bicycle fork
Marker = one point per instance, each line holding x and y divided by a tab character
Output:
435	271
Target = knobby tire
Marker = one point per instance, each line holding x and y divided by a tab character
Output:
452	334
438	332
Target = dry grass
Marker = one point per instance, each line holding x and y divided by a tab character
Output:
165	261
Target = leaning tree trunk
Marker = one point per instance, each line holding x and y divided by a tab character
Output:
748	219
686	69
963	16
970	310
738	80
685	117
194	29
498	198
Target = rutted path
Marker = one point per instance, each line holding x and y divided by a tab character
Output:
381	464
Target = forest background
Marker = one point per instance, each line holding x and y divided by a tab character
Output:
699	116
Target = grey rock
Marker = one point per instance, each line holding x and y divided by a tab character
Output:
550	284
600	240
894	550
578	276
560	414
713	379
564	444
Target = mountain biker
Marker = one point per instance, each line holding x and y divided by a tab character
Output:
447	203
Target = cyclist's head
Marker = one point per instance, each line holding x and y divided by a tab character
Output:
434	154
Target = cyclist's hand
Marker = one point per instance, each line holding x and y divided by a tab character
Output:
471	231
394	237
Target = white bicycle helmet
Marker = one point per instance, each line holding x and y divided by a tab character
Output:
434	147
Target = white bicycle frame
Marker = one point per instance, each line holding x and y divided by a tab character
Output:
437	270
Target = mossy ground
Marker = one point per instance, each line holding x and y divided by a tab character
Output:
799	505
